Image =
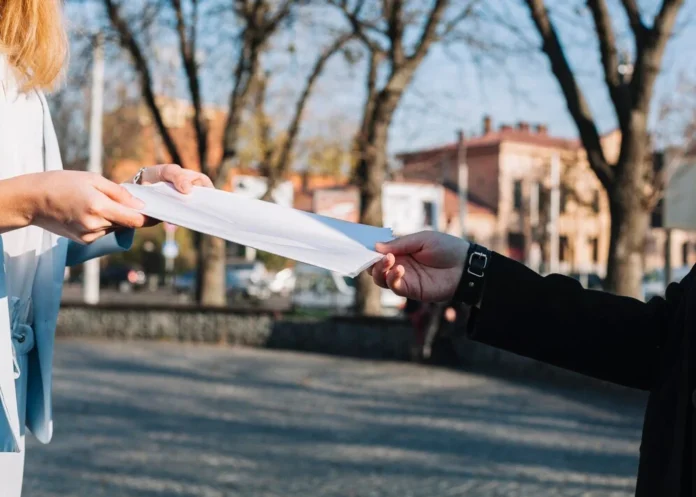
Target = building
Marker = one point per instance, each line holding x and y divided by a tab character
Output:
407	207
509	173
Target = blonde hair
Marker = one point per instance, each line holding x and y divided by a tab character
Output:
33	37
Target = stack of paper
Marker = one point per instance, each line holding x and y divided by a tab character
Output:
340	246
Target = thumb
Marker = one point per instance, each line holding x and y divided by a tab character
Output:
409	244
119	194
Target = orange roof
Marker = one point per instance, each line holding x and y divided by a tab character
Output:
503	135
316	181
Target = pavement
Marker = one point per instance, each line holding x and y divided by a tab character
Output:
158	419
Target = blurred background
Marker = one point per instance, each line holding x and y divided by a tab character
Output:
561	134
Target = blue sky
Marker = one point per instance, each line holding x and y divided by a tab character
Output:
452	89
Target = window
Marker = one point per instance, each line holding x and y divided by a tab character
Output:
516	242
428	215
595	202
564	199
686	250
594	244
563	249
517	195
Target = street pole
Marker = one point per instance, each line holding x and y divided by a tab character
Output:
91	268
533	252
554	214
462	181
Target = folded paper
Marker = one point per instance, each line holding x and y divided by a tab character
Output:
340	246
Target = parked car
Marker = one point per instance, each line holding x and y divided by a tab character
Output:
280	284
240	275
124	277
185	282
283	282
243	276
654	281
317	288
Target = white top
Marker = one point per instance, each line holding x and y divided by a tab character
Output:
21	152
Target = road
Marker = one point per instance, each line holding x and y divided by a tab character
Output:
154	420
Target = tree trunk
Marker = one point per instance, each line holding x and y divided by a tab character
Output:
630	211
371	175
629	225
211	282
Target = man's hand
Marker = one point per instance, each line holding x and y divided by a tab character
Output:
425	266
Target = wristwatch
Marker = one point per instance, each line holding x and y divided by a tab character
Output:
470	288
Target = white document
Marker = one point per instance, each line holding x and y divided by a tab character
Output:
339	246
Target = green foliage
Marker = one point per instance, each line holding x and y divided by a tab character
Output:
272	262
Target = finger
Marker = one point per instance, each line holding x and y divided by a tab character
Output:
395	280
118	193
120	215
94	236
177	176
203	180
405	245
379	270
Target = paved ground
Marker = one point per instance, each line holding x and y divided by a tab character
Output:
153	420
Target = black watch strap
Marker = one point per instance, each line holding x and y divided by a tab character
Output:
470	288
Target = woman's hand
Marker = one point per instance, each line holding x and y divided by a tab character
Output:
425	266
182	179
79	205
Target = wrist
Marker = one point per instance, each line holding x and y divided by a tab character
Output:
24	196
470	288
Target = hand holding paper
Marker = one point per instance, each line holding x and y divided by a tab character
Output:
340	246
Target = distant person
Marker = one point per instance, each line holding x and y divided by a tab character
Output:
649	346
441	333
48	217
418	314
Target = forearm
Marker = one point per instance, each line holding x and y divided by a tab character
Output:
17	202
555	320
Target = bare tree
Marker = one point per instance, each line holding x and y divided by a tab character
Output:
385	30
277	165
259	20
630	182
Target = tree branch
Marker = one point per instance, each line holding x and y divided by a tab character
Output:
610	61
263	127
359	26
187	49
464	14
650	52
429	33
634	19
394	13
129	43
575	100
256	33
283	163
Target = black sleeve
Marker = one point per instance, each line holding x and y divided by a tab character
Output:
411	306
555	320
